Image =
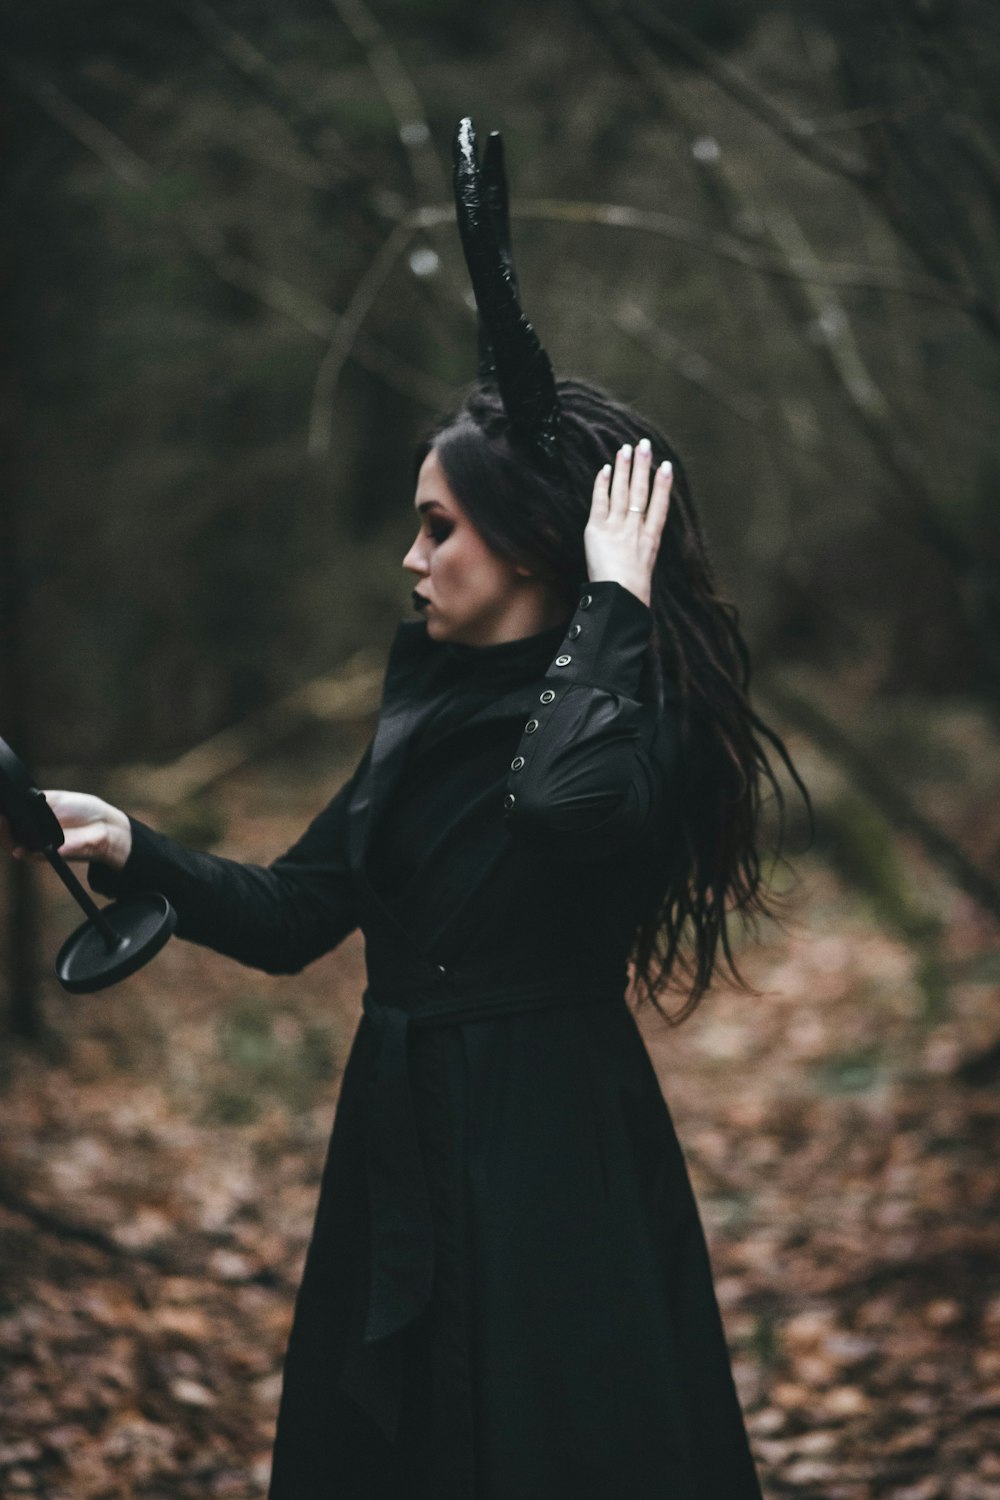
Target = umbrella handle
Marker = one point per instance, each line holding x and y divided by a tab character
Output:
111	938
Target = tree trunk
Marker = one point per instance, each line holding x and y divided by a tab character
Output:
19	942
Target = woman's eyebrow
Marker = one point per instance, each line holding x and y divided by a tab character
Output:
429	504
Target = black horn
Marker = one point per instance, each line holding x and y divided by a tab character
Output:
494	178
511	352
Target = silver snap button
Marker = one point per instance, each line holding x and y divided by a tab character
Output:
547	696
508	801
563	661
574	631
531	726
586	601
517	762
440	971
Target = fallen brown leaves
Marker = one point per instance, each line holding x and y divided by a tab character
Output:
850	1189
159	1176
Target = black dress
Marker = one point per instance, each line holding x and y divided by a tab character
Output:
507	1295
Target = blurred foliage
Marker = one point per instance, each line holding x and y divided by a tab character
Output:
199	822
858	841
193	189
261	1058
850	1072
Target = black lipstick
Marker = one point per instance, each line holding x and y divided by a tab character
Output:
419	602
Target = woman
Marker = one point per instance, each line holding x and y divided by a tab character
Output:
507	1295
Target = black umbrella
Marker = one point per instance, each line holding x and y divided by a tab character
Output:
114	941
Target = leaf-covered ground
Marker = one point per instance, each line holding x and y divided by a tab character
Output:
159	1163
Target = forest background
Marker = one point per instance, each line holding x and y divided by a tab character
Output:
233	297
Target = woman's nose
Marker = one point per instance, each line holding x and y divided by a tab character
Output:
414	561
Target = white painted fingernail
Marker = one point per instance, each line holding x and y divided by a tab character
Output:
626	450
645	446
606	471
666	467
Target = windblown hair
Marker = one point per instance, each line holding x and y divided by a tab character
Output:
535	516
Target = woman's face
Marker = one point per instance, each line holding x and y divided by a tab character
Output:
466	592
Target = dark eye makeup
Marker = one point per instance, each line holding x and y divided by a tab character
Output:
438	530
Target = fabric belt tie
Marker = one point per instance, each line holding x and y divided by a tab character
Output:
402	1230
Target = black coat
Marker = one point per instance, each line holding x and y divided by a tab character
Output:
507	1295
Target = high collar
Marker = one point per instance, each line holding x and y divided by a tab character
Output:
446	665
432	687
501	656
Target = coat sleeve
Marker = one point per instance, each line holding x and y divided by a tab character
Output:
277	918
597	758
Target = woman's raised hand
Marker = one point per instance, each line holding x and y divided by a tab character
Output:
93	829
622	536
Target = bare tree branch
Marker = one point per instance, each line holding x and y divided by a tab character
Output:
416	385
795	129
724	206
799	134
399	93
126	165
614	216
835	337
689	364
911	496
978	150
208	243
870	114
726	246
730	247
955	69
283	107
831	328
344	340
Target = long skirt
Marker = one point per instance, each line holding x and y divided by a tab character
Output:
572	1348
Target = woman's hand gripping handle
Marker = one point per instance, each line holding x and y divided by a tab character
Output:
622	535
93	829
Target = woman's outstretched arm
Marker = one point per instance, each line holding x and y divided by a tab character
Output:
277	917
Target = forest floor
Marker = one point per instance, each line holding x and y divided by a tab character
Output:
160	1158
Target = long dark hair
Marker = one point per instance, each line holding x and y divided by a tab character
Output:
536	517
